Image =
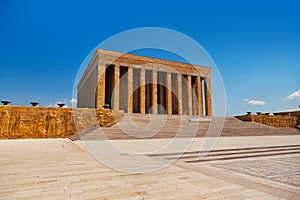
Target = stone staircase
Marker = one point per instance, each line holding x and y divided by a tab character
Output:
139	126
236	127
230	154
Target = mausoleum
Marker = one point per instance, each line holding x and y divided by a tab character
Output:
139	84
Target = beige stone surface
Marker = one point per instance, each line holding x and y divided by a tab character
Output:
208	96
179	94
116	91
130	89
100	91
154	92
169	94
199	95
142	92
190	101
61	169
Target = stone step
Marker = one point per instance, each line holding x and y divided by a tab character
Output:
230	154
244	156
254	152
229	150
168	126
82	134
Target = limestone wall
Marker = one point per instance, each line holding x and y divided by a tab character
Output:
19	122
271	120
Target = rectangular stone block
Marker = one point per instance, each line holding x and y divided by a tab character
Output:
154	92
101	86
142	92
199	96
116	98
208	96
190	100
169	94
179	81
130	89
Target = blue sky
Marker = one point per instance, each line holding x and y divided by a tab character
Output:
255	44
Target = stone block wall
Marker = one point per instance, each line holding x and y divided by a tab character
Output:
20	122
272	120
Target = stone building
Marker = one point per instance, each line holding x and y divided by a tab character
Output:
287	118
139	84
291	112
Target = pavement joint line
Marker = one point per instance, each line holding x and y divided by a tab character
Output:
222	150
236	153
241	157
30	165
280	189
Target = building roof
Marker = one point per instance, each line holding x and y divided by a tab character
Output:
137	60
125	59
290	111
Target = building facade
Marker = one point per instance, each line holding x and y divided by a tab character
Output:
139	84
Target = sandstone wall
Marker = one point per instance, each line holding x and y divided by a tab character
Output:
20	122
272	120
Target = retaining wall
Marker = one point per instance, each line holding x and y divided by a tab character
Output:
271	120
20	122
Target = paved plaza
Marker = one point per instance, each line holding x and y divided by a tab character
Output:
249	167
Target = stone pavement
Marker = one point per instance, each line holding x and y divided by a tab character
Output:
256	167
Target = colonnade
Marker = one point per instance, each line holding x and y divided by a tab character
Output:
149	90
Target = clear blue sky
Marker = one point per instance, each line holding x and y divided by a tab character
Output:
255	44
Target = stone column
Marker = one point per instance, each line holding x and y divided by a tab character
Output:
162	95
190	98
169	94
208	100
142	92
101	85
116	94
92	92
130	89
154	92
89	91
179	94
199	96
